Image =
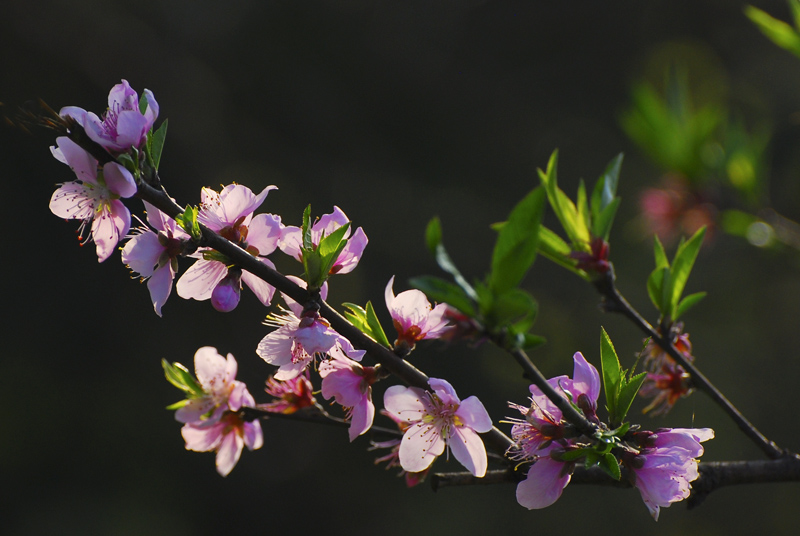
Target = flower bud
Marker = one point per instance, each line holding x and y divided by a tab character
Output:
225	296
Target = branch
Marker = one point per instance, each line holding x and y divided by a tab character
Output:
713	475
614	302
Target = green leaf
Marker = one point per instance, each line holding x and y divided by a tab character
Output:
433	235
515	249
515	309
530	341
565	210
601	225
328	250
583	216
610	465
612	374
627	394
682	267
442	291
357	316
188	222
660	254
308	244
655	288
687	303
366	321
376	329
778	31
179	404
610	179
180	377
554	248
156	143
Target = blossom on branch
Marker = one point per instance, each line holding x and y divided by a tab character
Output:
542	435
154	255
290	395
216	376
292	240
230	214
94	198
301	335
351	385
123	125
212	411
413	317
437	420
667	464
392	459
227	437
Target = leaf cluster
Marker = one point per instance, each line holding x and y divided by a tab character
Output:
666	283
582	221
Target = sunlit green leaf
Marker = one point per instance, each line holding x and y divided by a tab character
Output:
516	246
442	291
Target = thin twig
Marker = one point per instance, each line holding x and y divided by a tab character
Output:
614	302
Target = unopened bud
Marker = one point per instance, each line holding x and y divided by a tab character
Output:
226	294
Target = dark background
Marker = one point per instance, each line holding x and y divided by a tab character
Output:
395	111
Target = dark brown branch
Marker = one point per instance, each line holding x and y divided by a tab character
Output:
614	302
713	475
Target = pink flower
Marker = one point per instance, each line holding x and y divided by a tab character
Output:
216	375
664	469
226	436
351	385
230	214
154	255
292	240
301	335
392	459
437	420
290	395
413	317
123	125
94	197
541	435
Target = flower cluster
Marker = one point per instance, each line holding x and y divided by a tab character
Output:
666	380
661	464
211	414
542	435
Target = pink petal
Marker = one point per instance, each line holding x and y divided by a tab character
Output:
474	415
80	161
264	232
72	201
263	290
202	438
352	252
468	448
199	280
253	437
228	452
421	445
586	379
362	416
142	252
112	223
119	180
276	347
290	241
405	403
160	286
544	484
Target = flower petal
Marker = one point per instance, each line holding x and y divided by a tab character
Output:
543	485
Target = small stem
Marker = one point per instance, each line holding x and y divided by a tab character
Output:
614	302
